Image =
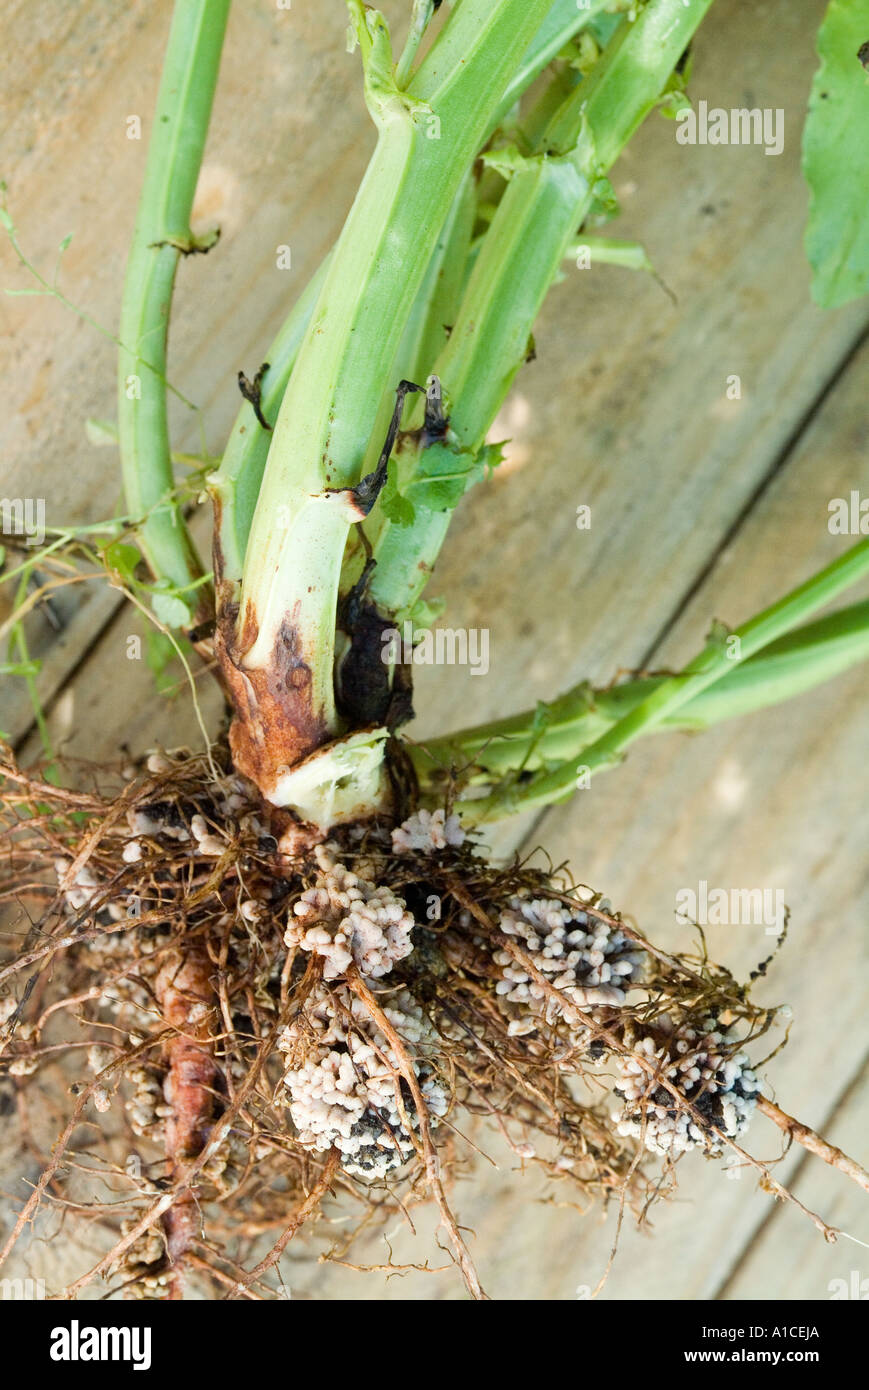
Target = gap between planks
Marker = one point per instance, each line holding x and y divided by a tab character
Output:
850	1093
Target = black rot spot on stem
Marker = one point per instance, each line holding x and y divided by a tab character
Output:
436	422
252	392
366	492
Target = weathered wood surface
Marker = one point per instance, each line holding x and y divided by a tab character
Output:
702	507
812	1273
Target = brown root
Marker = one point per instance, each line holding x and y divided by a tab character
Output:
271	1026
186	998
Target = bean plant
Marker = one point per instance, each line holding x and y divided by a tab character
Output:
295	961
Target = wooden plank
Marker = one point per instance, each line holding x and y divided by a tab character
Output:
639	428
777	801
625	408
71	169
814	1270
600	417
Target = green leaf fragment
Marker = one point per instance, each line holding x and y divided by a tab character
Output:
673	102
836	158
604	25
161	654
424	613
508	160
122	559
718	635
441	478
171	610
394	506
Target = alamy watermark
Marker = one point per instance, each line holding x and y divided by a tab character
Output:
77	1343
733	907
854	1287
21	1290
849	516
446	646
738	126
23	516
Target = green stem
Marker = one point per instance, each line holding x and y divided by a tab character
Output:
557	732
235	486
438	304
547	198
161	235
238	482
423	11
564	21
427	138
630	255
722	653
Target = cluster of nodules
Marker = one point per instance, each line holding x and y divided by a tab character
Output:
205	834
678	1086
143	1269
562	980
347	1084
348	920
701	1065
576	955
345	1079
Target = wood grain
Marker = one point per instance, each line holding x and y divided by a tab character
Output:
701	507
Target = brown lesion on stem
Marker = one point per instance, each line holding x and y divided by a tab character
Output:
186	997
275	724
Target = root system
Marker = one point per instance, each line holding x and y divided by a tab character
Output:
251	1027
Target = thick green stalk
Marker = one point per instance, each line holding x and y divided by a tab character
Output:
235	486
239	479
547	198
426	332
162	235
556	733
282	648
431	322
342	374
565	20
421	17
722	653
